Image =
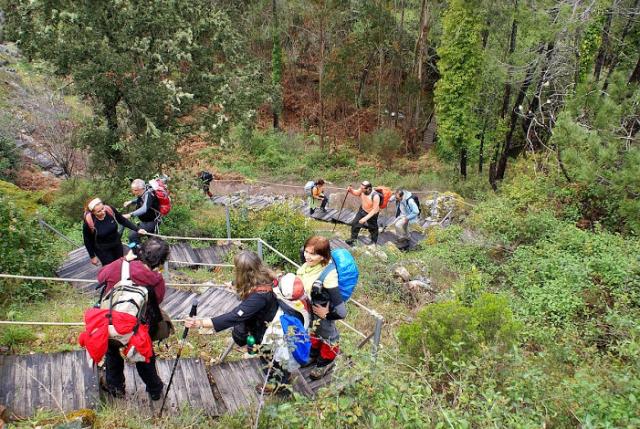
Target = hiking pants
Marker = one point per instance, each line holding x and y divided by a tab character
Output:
323	205
114	363
371	225
109	254
151	226
402	228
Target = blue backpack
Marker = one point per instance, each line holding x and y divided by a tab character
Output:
348	273
298	339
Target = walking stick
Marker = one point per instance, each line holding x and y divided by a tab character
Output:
193	312
339	213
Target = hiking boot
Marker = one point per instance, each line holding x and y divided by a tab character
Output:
311	210
323	210
155	396
111	391
350	241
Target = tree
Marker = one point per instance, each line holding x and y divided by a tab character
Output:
147	65
456	93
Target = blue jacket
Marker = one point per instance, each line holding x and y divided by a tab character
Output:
408	207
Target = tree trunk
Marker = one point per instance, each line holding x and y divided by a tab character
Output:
497	172
604	46
616	56
398	61
512	47
363	80
635	75
535	101
276	62
463	163
417	68
320	78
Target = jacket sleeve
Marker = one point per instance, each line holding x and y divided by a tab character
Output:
243	312
89	239
338	310
123	221
144	207
413	211
160	289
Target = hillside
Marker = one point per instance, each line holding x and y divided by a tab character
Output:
514	302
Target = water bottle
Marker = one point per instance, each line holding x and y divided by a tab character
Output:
251	342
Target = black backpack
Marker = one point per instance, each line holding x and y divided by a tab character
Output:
206	177
414	198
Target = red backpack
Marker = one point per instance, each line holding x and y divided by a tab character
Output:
88	218
162	194
385	195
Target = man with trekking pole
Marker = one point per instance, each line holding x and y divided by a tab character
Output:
367	216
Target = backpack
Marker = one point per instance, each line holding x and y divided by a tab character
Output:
125	297
308	187
385	195
88	218
161	192
206	177
414	198
345	265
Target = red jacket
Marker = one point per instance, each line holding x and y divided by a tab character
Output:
140	274
95	338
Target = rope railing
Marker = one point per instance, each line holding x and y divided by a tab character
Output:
203	264
72	280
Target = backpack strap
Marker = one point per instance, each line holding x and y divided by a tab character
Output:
88	217
325	272
262	288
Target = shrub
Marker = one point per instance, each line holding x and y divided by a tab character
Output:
383	144
74	194
14	335
23	250
9	159
456	331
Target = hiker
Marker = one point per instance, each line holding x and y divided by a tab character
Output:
315	194
206	178
368	212
100	232
407	213
254	285
143	272
327	303
147	209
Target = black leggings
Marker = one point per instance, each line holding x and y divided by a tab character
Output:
109	254
115	370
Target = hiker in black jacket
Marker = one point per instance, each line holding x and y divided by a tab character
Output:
147	209
254	285
100	232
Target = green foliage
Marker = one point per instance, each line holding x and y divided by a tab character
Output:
24	249
573	273
9	159
383	144
456	92
454	331
15	335
146	66
592	135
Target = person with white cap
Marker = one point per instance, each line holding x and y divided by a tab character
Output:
100	232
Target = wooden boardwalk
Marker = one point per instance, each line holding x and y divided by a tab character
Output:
56	381
65	382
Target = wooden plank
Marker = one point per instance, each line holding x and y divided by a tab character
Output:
300	385
67	369
91	384
6	375
56	362
19	404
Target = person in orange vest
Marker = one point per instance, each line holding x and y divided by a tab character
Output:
367	216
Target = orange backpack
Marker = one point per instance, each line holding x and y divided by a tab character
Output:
385	195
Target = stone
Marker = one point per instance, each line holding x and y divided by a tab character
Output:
402	273
420	284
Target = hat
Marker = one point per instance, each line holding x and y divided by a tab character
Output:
290	287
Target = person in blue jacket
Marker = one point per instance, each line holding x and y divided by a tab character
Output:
407	213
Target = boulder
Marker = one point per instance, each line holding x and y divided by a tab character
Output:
402	273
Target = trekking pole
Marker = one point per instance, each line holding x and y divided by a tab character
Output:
339	213
192	313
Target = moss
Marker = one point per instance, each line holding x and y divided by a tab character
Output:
26	201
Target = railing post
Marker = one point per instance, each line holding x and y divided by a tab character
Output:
228	220
165	272
377	334
260	248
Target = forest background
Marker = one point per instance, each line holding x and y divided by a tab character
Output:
529	110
